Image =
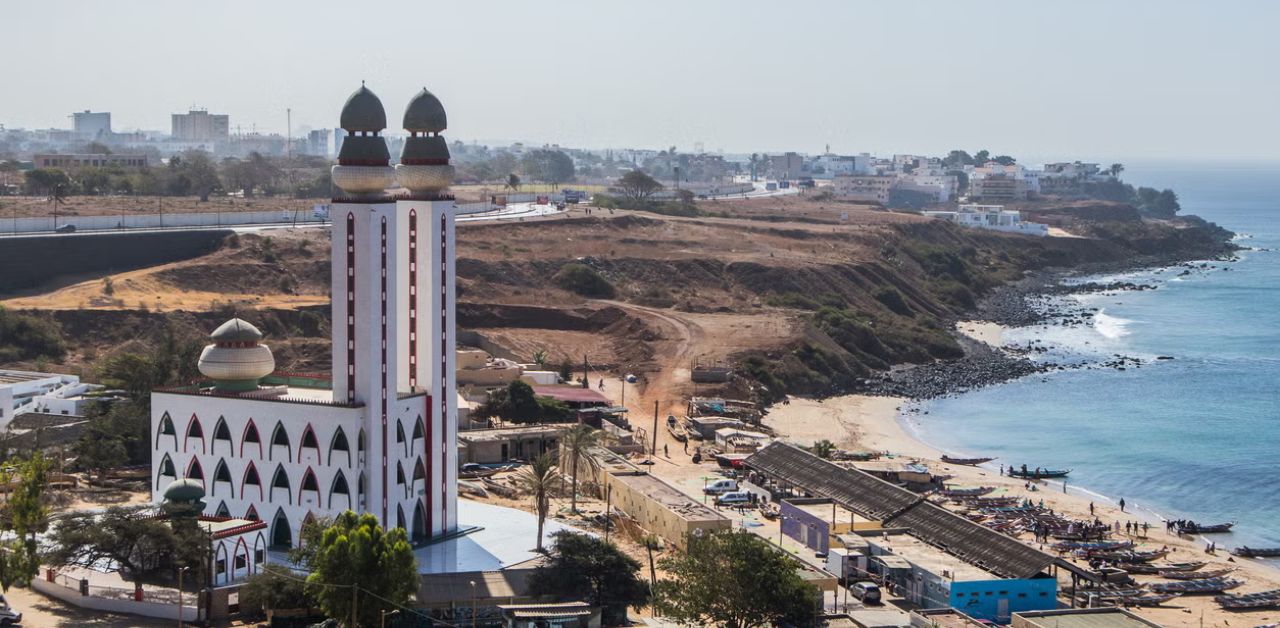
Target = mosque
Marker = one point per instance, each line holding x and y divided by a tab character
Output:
379	435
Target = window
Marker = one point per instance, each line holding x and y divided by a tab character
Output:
194	430
222	566
241	562
417	429
281	480
309	438
251	436
166	467
251	475
258	556
195	471
340	485
339	444
280	437
221	431
399	473
309	482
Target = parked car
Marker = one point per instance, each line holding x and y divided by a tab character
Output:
734	498
8	616
65	229
720	486
867	592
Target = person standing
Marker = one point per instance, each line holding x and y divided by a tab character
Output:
1121	504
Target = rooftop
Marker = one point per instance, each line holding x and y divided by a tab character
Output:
18	377
931	558
571	394
505	433
674	500
1082	618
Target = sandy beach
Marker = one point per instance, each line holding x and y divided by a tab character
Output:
874	424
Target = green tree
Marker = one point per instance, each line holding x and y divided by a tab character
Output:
198	168
576	445
1116	169
128	536
539	479
513	183
584	281
356	552
29	337
981	157
1004	160
581	564
28	516
275	588
823	449
957	158
637	185
96	148
1167	203
516	402
100	448
550	166
47	181
735	580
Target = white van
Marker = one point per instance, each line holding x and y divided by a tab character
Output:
734	498
720	486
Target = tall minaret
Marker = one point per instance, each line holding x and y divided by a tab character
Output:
393	308
424	170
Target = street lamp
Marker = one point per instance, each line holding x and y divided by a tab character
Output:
383	618
180	572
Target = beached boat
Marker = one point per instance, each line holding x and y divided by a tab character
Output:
1140	599
1191	527
1211	585
969	462
1067	546
1261	599
769	511
978	491
677	430
1125	556
1195	575
989	502
1038	474
1148	568
1256	552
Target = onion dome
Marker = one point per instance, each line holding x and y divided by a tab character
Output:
363	112
236	360
183	497
425	114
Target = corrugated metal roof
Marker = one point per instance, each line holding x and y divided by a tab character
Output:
868	496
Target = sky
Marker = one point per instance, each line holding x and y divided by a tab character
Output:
1085	79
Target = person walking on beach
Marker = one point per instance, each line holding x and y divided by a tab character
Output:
686	447
1001	470
1121	504
665	452
1090	509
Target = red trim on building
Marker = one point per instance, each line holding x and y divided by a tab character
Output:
413	299
245	432
351	307
186	434
303	443
444	370
383	298
245	476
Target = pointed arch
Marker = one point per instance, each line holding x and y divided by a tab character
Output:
281	533
222	510
240	559
166	428
251	514
259	549
361	488
339	443
220	564
309	483
251	435
339	487
222	474
251	478
166	470
360	446
400	517
280	437
420	532
280	480
222	433
400	478
194	430
418	430
195	471
400	439
309	441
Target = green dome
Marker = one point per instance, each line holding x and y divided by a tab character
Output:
425	114
183	491
364	150
236	330
363	112
425	149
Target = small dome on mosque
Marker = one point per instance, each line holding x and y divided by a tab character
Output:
425	114
236	330
185	490
363	112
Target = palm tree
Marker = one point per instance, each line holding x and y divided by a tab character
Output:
754	158
1115	170
539	478
576	445
823	448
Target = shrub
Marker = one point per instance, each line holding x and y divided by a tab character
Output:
583	280
25	337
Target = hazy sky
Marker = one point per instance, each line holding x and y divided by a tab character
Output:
1097	80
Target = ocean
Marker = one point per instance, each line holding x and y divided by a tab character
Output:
1195	437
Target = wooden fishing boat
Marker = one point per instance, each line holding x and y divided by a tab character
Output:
1256	552
1066	546
769	511
1147	568
989	502
1195	575
968	462
1154	599
1191	527
1038	474
677	430
1261	599
1211	585
967	492
1128	556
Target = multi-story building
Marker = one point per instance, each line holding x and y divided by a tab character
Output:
864	188
379	435
198	125
997	187
76	162
786	166
993	217
92	125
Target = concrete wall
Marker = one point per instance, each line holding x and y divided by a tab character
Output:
111	605
27	262
655	516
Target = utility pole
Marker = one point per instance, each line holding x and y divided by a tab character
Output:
654	449
288	134
586	377
608	508
354	590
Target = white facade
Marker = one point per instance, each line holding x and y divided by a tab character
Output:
24	391
866	188
992	217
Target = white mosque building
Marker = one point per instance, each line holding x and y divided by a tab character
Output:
380	435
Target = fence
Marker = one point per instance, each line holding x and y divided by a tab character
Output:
158	603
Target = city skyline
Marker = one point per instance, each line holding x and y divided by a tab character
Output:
1136	81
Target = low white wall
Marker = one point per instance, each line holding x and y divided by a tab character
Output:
130	607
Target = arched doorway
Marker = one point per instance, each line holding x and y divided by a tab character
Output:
420	531
281	534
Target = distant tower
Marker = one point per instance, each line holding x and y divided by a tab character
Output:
393	301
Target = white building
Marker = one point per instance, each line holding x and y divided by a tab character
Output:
993	217
380	434
24	391
864	188
943	187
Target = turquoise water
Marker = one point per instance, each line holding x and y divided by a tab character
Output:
1195	437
